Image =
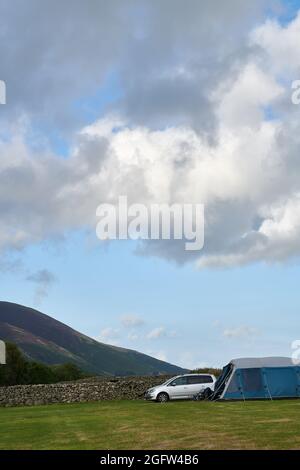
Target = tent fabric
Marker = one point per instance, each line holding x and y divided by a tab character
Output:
221	381
249	362
258	378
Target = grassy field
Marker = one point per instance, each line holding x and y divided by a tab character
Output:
143	425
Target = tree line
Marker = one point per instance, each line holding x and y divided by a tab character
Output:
20	371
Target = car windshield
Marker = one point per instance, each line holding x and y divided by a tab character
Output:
168	381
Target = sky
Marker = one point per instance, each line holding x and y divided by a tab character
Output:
162	103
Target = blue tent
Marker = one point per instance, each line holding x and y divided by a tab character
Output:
258	378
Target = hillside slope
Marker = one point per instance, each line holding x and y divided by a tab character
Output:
44	339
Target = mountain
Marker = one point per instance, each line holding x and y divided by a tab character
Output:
44	339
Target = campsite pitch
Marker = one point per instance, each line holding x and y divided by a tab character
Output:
143	425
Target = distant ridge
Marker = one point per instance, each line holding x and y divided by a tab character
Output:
44	339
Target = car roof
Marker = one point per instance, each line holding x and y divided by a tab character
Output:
194	373
199	373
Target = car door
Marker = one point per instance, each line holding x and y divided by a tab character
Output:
195	384
178	388
209	381
198	383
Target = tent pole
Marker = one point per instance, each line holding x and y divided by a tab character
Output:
238	373
266	383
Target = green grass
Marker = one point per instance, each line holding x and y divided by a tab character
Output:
142	425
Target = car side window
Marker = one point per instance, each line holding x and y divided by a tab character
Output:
208	379
199	379
193	380
178	381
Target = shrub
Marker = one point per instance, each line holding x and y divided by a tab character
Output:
68	371
19	371
38	373
207	370
14	371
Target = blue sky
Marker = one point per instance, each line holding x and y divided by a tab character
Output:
96	287
160	99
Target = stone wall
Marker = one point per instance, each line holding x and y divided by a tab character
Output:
93	389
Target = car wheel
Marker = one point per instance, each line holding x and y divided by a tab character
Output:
162	397
207	393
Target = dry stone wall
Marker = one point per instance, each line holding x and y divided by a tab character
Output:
94	389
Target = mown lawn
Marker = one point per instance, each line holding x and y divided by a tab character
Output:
142	425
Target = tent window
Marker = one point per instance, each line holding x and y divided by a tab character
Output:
233	386
252	380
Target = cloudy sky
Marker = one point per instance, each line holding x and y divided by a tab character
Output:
162	101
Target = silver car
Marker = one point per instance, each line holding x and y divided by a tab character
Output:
181	387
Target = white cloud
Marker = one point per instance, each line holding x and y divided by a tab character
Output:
280	44
133	336
243	104
154	57
240	332
161	332
161	355
43	280
244	169
191	361
156	333
132	321
109	335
